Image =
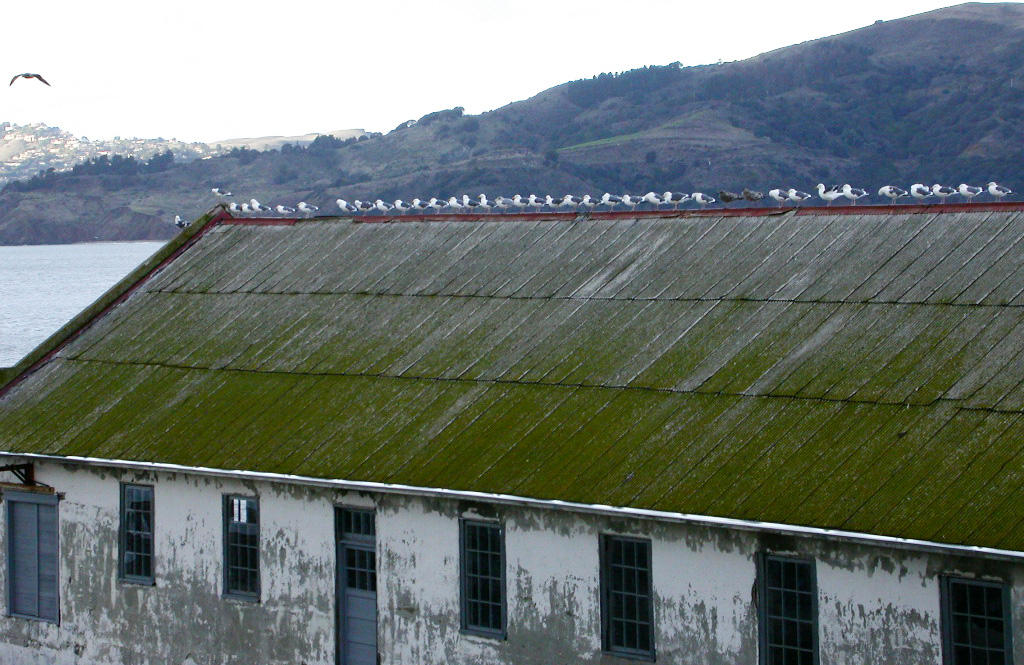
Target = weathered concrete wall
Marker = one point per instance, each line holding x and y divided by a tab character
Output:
876	605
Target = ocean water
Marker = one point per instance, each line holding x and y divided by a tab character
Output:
43	286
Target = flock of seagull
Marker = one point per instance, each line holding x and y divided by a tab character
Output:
609	201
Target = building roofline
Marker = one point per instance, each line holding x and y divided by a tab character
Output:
11	376
900	209
546	504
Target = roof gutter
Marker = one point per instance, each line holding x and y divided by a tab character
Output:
547	504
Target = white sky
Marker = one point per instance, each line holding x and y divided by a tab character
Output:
214	69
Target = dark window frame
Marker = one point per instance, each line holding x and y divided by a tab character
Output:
143	580
482	631
762	601
228	592
605	561
946	614
37	498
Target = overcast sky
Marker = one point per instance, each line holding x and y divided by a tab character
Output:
214	69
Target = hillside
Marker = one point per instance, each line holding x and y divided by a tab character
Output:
936	97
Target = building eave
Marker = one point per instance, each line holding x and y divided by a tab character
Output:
840	535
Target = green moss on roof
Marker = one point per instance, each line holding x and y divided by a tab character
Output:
841	371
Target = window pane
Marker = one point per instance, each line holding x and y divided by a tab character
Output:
242	546
482	576
137	531
790	622
976	623
628	595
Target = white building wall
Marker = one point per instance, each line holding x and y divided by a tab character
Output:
876	605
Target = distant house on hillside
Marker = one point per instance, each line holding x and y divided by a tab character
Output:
785	437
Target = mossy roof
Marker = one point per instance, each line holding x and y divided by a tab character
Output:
862	372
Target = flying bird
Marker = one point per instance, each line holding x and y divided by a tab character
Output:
27	75
892	191
220	193
998	191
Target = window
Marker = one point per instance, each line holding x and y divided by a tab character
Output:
483	578
32	556
242	547
788	611
137	533
356	532
626	598
975	622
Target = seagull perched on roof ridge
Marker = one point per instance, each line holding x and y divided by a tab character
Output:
419	205
780	195
362	206
519	202
588	202
796	196
401	206
728	197
435	205
675	198
535	202
919	191
751	195
610	200
892	191
632	200
828	195
346	206
701	198
306	208
998	191
503	202
652	198
943	192
181	223
256	206
27	75
853	193
234	207
570	201
969	191
453	203
285	210
382	206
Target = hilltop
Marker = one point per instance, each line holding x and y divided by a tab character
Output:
936	97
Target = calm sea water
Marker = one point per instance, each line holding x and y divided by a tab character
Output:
43	286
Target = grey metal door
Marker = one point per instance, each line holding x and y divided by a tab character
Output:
357	588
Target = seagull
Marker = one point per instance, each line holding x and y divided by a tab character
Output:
675	198
181	223
435	205
998	191
919	191
853	193
570	201
26	75
233	207
306	209
519	202
828	195
378	204
780	195
363	206
892	191
401	206
419	205
468	203
245	208
346	206
652	198
453	203
588	203
701	198
535	202
943	192
285	210
220	193
484	203
610	200
796	196
503	202
728	197
751	195
631	201
258	207
969	191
